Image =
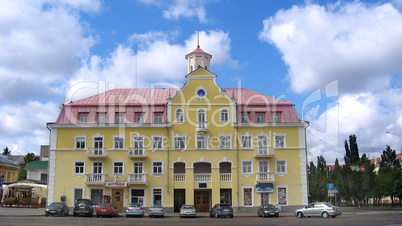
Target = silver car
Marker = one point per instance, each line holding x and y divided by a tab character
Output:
322	209
187	211
134	209
156	210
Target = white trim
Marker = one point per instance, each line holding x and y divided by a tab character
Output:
51	176
97	162
268	166
53	138
152	169
98	136
303	173
251	140
174	141
152	194
137	188
152	142
284	140
185	163
117	174
78	174
143	168
184	117
85	142
248	174
252	194
286	167
138	135
73	194
124	141
287	193
206	136
220	116
262	134
230	142
205	114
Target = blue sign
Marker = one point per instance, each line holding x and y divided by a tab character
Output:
336	190
202	185
331	187
264	188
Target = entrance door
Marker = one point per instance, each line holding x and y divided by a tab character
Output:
201	201
179	199
117	198
265	198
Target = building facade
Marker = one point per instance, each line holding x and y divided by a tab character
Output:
200	145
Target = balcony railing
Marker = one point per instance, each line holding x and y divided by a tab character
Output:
202	177
267	177
96	153
264	152
137	178
95	178
202	127
226	177
179	177
137	153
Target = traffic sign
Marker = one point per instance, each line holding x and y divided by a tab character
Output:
362	169
336	190
331	187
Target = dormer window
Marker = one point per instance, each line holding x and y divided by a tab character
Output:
101	118
139	117
83	117
260	117
244	117
119	118
157	117
276	116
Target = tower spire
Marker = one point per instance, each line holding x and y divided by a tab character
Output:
198	38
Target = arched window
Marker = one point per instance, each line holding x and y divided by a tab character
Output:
201	115
224	115
179	115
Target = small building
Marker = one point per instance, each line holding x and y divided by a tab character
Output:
37	171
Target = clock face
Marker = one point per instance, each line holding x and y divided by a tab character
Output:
201	93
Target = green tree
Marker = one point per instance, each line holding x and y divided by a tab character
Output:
30	157
6	152
389	180
352	156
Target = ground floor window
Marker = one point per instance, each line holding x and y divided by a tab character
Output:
78	193
138	196
265	198
96	196
157	196
247	196
226	196
282	195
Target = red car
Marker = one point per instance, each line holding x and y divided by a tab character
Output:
106	209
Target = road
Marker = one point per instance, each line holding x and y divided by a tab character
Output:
10	216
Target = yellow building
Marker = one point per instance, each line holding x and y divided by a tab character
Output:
200	145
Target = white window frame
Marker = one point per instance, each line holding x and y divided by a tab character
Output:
260	164
176	118
251	168
152	194
139	119
122	168
203	112
185	141
287	193
284	139
221	119
114	141
120	118
144	197
85	142
155	117
275	117
252	195
98	136
93	166
244	117
103	118
265	136
161	142
84	119
75	166
142	139
257	114
142	167
152	170
286	167
251	140
206	141
230	140
73	194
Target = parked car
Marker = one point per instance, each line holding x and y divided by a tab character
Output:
187	211
57	208
134	209
221	210
83	207
266	210
156	210
319	209
106	209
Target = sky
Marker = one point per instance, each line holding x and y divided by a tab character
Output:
339	62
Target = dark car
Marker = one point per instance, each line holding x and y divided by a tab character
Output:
266	210
57	208
106	209
221	210
83	207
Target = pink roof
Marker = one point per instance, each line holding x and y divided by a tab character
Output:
249	97
198	50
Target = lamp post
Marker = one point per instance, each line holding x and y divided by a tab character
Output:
397	136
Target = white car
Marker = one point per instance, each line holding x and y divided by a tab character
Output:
187	211
320	209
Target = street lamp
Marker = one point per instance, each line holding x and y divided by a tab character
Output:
397	136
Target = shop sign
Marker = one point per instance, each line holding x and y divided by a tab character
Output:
264	188
116	184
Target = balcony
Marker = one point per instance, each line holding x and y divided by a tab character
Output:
226	177
263	152
137	153
179	177
202	177
202	127
95	179
268	177
96	153
137	178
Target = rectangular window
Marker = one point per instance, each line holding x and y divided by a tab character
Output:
79	168
244	117
97	167
138	145
96	196
202	142
262	142
224	115
276	116
179	115
118	142
157	168
157	196
138	167
260	117
83	117
98	145
280	141
263	166
282	195
138	196
117	168
180	142
78	193
247	167
248	196
157	142
119	118
80	142
281	167
224	141
139	117
101	118
158	117
246	141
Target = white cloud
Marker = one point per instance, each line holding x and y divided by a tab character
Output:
356	43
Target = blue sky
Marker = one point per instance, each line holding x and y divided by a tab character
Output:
339	62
